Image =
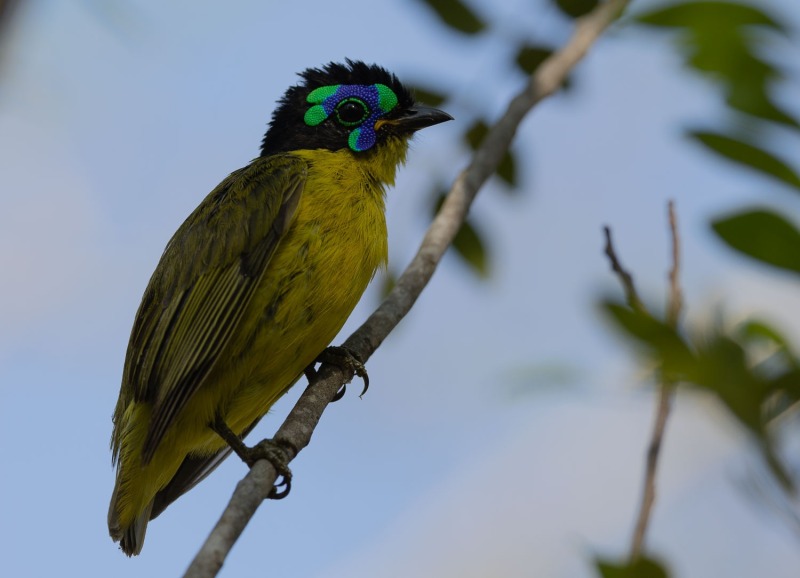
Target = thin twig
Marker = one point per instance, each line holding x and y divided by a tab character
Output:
675	302
667	388
301	421
625	278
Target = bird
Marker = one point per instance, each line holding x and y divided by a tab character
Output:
256	283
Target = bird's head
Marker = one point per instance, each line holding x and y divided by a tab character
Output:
353	106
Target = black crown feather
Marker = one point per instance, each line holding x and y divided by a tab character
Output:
287	131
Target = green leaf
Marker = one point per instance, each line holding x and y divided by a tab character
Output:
476	133
664	343
388	281
780	369
507	169
457	15
703	14
784	394
746	154
723	368
732	59
753	98
576	8
640	568
427	96
529	57
753	329
469	244
762	235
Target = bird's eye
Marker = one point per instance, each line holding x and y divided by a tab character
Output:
351	111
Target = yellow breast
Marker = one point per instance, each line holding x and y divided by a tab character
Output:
321	268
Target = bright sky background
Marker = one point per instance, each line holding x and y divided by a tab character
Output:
505	428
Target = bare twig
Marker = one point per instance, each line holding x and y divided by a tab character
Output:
675	302
667	388
300	424
625	278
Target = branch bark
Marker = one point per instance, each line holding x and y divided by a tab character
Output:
299	425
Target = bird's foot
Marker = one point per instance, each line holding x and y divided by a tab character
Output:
346	359
276	452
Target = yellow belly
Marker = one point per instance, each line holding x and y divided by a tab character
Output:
316	278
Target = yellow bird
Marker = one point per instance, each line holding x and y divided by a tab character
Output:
256	283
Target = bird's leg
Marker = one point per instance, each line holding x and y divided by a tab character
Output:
311	373
274	451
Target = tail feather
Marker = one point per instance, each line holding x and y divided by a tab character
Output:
130	538
133	537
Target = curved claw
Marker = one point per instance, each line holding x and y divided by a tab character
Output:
365	377
277	494
276	452
348	360
339	394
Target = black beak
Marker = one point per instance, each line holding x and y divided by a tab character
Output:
418	117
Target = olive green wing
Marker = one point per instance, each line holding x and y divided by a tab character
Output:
201	287
193	470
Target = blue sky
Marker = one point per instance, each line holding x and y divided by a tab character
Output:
117	118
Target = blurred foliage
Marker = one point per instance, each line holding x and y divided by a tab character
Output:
763	235
747	155
576	8
529	57
729	363
507	169
544	377
429	96
724	41
457	16
727	42
388	281
468	243
742	51
639	568
470	246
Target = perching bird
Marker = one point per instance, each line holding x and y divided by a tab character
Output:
256	283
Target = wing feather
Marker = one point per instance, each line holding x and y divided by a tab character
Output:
201	287
192	471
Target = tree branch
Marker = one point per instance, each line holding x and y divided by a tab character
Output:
667	388
301	421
